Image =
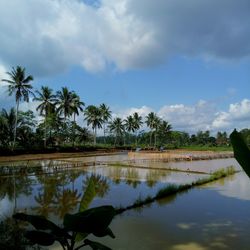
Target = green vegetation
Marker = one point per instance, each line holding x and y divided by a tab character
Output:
59	128
173	189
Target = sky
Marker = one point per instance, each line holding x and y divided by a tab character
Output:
186	60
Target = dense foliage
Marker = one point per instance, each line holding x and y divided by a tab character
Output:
60	113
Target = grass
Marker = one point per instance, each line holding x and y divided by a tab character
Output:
207	148
174	189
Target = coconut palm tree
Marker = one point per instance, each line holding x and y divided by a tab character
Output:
64	103
20	87
106	116
46	106
93	116
129	124
117	127
150	122
77	105
137	123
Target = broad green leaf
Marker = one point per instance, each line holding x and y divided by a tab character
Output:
241	151
90	221
96	245
106	232
41	238
41	223
88	196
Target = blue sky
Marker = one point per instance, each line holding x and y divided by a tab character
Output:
187	60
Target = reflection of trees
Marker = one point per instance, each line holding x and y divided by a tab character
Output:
153	176
132	177
13	186
116	174
66	201
100	184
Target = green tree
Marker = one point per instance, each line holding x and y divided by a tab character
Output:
77	105
46	106
137	123
117	128
20	87
106	116
93	116
129	125
150	122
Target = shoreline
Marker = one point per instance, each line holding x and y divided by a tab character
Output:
170	155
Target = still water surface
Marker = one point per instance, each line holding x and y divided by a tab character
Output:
214	216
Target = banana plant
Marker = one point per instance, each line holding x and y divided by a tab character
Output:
91	221
241	151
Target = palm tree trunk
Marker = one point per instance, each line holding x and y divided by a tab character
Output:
150	138
155	139
45	131
95	136
17	107
104	133
74	130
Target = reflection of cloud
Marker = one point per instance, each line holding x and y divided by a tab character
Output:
189	246
6	207
237	187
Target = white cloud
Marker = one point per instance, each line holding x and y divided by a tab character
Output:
48	37
238	116
201	116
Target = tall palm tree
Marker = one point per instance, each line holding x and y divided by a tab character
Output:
129	124
150	122
106	116
64	103
77	105
137	123
46	106
117	127
20	87
93	116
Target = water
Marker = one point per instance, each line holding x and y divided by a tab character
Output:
214	216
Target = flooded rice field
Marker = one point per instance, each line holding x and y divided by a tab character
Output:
211	216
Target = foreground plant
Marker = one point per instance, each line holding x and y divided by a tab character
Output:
241	151
76	228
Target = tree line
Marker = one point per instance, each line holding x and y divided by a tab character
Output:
58	124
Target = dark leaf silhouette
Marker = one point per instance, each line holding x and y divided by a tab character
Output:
241	151
94	220
41	238
96	245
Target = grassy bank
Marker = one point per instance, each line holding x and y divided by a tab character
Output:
173	189
207	148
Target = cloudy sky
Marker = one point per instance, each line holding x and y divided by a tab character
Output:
187	60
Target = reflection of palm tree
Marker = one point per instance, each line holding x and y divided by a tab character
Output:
44	200
132	177
100	183
66	200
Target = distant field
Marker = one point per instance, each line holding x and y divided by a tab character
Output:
207	148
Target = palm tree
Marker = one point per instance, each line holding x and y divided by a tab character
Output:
129	124
117	127
20	87
93	116
46	106
65	107
77	105
150	121
106	115
137	123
